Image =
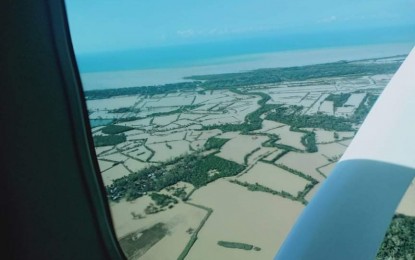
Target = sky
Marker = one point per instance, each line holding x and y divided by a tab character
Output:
114	25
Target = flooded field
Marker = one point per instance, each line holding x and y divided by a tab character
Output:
407	203
239	216
201	169
177	220
236	148
275	178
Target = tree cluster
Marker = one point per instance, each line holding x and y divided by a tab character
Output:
338	99
115	129
215	143
236	245
295	119
123	110
147	90
309	141
162	200
191	168
105	140
399	241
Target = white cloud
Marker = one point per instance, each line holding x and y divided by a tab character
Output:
329	19
186	33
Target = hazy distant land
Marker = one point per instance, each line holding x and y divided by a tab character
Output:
210	166
240	63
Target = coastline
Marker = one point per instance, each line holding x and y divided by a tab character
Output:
148	77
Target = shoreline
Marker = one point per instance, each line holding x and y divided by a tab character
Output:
148	77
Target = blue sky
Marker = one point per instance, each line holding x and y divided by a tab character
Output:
111	25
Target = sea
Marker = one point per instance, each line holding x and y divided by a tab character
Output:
157	66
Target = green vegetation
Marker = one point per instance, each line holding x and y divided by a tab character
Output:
123	110
246	157
399	241
259	187
147	91
115	129
191	168
301	194
364	108
237	245
309	141
180	193
275	75
252	121
213	107
276	158
292	116
295	172
288	148
168	145
272	140
279	156
176	111
152	209
198	176
215	143
152	153
134	245
338	99
104	140
162	200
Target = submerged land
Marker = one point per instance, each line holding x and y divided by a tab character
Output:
222	165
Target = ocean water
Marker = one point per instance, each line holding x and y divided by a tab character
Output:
100	122
209	53
168	64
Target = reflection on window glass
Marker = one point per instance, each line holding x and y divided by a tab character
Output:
215	122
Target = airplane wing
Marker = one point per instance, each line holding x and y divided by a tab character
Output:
349	215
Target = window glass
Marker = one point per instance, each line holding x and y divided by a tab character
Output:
215	122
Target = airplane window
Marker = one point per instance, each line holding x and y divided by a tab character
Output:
215	122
